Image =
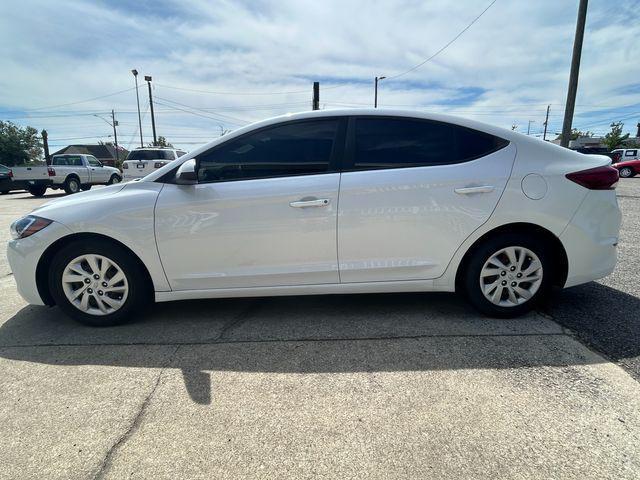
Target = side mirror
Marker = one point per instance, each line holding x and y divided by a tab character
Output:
186	174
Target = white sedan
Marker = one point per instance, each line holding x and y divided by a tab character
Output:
332	202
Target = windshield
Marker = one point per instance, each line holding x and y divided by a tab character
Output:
151	155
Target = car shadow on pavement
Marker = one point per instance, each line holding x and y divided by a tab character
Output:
31	197
312	334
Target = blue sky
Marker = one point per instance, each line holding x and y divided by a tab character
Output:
218	64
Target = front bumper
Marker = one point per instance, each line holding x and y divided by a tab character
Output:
591	238
24	255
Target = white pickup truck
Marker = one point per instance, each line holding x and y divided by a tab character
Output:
71	172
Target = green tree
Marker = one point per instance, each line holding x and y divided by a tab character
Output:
161	142
575	134
614	138
19	145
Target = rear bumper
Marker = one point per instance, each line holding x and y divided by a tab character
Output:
22	184
591	238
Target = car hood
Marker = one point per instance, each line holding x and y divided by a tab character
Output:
101	203
627	162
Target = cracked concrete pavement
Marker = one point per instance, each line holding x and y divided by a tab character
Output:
369	386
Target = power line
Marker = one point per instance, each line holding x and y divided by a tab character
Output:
206	111
79	101
446	46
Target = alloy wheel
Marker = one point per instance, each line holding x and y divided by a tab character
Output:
511	276
94	284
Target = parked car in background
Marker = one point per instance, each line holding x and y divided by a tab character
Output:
5	179
627	154
35	179
71	172
327	202
628	168
142	161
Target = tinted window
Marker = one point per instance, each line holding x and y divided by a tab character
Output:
151	155
631	153
180	153
293	149
4	169
69	160
397	143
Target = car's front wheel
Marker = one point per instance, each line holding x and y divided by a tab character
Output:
626	172
97	283
37	190
508	275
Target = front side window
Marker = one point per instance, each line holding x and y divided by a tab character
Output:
93	161
299	148
400	143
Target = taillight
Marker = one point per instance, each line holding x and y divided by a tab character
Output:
51	171
10	173
159	164
599	178
125	166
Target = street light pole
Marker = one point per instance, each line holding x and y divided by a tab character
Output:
135	75
375	96
529	126
573	76
114	122
153	117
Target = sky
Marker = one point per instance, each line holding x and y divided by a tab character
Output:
218	65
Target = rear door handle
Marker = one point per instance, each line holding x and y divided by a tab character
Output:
470	190
316	202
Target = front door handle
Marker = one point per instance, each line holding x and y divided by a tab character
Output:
470	190
316	202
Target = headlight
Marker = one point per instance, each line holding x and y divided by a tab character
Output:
27	226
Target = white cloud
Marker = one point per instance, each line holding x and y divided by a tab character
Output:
505	69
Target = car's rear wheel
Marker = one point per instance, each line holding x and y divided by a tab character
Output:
37	190
114	179
72	185
97	283
508	275
626	172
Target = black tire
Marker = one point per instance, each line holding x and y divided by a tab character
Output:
139	293
626	172
72	185
4	192
114	179
471	275
37	190
84	188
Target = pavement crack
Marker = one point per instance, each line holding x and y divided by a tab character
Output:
288	340
240	318
107	461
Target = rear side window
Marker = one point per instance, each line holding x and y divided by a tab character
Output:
399	143
300	148
151	155
67	160
631	153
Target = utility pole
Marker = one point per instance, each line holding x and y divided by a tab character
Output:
153	117
638	132
315	104
45	144
135	75
529	126
375	95
573	76
546	121
114	122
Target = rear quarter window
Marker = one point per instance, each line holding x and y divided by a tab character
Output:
387	142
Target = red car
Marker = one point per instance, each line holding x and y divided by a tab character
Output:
627	169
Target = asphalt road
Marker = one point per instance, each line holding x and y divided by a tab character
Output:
369	386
